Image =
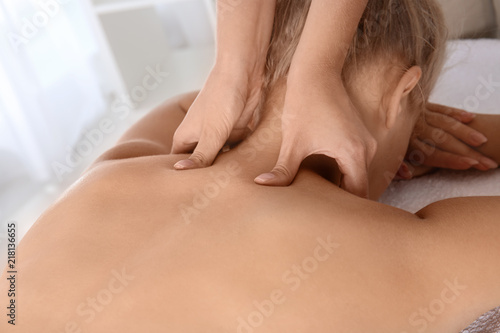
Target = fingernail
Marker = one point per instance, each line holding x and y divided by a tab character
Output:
405	172
481	167
466	114
468	161
478	138
265	177
489	163
184	164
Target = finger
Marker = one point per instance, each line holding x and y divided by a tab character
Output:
238	135
458	114
354	165
285	169
420	170
407	171
452	145
184	141
403	173
355	176
205	153
370	151
422	153
457	129
180	147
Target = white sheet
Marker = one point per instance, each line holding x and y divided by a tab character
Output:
470	62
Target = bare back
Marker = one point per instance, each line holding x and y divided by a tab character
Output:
136	246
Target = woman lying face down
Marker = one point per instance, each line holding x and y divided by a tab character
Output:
390	70
136	246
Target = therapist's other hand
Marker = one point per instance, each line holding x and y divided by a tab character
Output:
442	139
225	109
320	119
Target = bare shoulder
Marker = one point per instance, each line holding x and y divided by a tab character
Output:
467	226
465	241
485	209
153	134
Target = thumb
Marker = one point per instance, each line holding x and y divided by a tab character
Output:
354	169
205	153
355	177
184	140
284	171
181	147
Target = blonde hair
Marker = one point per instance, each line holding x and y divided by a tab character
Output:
411	32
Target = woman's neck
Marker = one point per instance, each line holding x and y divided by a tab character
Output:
260	150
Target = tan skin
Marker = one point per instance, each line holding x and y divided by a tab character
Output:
200	272
227	104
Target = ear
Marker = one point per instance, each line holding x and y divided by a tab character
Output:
406	84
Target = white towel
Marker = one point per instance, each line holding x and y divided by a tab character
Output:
469	63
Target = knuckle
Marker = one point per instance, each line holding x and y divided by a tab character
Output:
282	170
453	125
217	132
200	158
439	136
184	136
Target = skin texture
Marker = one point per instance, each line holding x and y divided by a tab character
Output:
443	138
314	74
227	108
199	265
227	103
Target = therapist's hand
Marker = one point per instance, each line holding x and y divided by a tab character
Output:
225	109
319	118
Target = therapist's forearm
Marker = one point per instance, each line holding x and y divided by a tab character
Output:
327	36
244	29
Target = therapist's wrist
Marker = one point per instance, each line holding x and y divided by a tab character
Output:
239	65
238	73
315	71
238	80
307	63
314	78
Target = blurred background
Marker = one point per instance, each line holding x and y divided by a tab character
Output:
75	74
